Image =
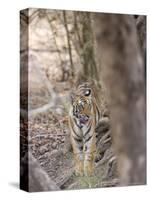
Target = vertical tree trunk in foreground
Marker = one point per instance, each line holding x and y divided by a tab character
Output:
123	75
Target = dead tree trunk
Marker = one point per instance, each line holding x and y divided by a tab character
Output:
123	75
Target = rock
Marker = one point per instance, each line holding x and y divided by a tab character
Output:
38	178
54	145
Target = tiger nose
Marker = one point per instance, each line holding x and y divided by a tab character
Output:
76	113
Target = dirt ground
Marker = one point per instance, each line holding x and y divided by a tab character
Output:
49	144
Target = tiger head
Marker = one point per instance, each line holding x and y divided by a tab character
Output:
82	104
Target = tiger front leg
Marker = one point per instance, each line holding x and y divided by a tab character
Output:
89	155
77	146
78	159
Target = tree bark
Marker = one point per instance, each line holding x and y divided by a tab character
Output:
68	41
90	70
124	78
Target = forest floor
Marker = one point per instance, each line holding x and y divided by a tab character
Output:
49	143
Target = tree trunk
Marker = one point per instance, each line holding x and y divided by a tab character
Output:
69	42
124	77
90	70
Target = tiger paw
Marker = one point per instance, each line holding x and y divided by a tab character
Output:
88	168
79	168
79	173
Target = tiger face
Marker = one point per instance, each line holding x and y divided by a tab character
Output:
81	110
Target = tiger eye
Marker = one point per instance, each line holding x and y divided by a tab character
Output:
87	92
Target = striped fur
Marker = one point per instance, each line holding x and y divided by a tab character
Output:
83	118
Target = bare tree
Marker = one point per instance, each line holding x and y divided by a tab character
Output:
68	41
124	77
88	57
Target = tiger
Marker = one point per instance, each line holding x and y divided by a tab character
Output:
84	116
